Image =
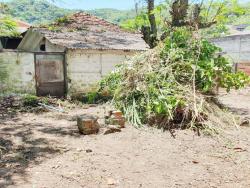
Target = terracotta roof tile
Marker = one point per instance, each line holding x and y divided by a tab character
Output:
84	20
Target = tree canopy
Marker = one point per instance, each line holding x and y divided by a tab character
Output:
7	24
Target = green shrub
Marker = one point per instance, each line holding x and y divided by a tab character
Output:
92	97
95	98
110	83
62	20
45	100
30	100
189	54
168	85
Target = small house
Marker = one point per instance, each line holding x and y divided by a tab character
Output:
76	52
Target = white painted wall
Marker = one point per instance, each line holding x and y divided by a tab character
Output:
18	72
236	46
84	69
87	67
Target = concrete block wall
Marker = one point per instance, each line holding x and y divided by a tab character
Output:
85	68
237	47
17	72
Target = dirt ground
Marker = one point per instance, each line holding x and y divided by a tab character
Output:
46	151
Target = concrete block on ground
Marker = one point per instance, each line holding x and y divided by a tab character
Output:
88	124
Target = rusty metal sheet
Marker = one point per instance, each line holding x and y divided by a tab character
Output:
50	75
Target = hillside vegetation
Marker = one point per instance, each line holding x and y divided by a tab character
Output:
114	15
35	11
41	11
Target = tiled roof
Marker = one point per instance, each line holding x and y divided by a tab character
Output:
84	31
22	24
85	20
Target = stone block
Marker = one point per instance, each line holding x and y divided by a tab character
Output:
88	124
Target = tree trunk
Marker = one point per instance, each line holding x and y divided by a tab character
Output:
151	37
151	17
146	35
136	8
179	13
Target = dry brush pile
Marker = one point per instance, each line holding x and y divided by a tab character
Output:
172	85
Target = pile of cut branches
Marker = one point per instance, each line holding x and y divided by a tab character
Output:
172	85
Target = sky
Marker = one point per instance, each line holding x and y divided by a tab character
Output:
95	4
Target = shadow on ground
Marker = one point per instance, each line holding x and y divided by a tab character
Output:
25	144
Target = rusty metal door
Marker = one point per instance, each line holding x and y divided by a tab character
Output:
50	74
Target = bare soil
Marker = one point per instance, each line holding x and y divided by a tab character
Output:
46	151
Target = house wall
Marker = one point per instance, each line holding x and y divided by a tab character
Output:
53	48
17	72
86	67
31	41
236	47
